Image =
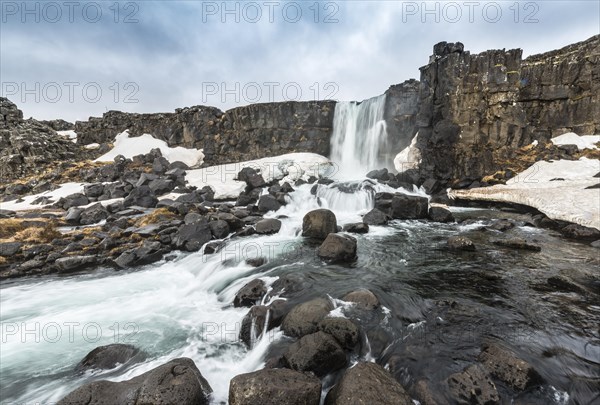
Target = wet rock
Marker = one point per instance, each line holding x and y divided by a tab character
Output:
575	231
304	318
363	299
317	352
234	222
256	261
409	207
268	226
473	386
8	249
141	196
423	393
192	236
338	248
74	263
367	383
176	382
268	203
93	190
247	231
274	387
358	227
287	188
460	243
517	243
508	368
251	177
319	223
562	283
250	294
93	214
376	217
381	174
219	228
110	356
502	225
440	214
254	319
343	330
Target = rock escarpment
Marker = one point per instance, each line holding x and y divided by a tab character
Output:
475	110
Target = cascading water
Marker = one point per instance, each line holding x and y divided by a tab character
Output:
359	139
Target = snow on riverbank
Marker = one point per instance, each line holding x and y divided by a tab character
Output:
558	189
289	167
139	145
582	142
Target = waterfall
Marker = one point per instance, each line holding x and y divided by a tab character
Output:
359	140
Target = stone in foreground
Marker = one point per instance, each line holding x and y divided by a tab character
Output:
176	382
318	352
473	386
319	223
110	356
338	248
508	368
367	383
304	318
274	387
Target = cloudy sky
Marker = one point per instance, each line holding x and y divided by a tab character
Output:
78	59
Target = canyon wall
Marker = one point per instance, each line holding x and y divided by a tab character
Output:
474	109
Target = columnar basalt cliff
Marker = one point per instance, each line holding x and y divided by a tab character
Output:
242	133
474	109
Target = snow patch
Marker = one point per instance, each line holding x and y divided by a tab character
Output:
285	168
409	157
558	189
72	135
139	145
64	190
582	142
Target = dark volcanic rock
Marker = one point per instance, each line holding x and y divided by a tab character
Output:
255	318
268	203
93	214
440	214
460	243
580	232
192	236
364	299
517	243
268	226
317	352
409	207
8	249
508	368
219	228
338	248
274	387
376	217
502	225
473	386
251	177
343	330
358	227
304	318
110	356
250	294
367	383
176	382
319	223
141	196
75	263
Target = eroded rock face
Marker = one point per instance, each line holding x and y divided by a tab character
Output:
273	387
367	383
176	382
474	110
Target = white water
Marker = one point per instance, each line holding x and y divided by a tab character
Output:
359	140
178	308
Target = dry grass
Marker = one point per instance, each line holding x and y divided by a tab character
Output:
156	216
9	227
38	235
2	260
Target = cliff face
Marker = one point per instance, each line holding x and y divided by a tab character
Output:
242	133
474	108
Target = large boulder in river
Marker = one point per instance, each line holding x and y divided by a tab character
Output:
192	236
274	387
363	299
440	214
304	318
508	368
473	386
319	223
338	247
251	177
376	217
110	356
367	383
409	207
250	293
268	226
176	382
342	329
460	243
318	352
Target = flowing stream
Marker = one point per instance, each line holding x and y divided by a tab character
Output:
437	306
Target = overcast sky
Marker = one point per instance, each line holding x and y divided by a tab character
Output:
73	60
